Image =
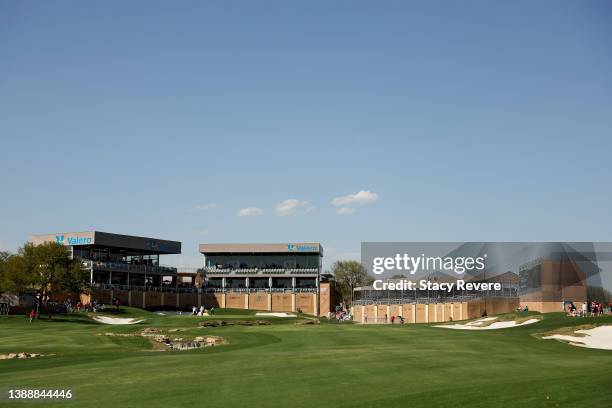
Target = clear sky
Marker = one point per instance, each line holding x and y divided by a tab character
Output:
192	121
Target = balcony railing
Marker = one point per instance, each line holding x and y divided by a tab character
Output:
179	289
260	271
125	267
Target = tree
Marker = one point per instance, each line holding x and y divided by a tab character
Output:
41	270
4	256
349	275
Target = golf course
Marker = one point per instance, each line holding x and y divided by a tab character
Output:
268	361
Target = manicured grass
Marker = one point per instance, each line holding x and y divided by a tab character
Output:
325	365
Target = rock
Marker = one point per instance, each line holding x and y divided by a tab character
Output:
148	331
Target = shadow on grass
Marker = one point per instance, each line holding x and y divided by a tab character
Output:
81	319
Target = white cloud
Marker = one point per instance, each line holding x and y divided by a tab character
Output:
205	207
362	197
250	212
346	210
292	207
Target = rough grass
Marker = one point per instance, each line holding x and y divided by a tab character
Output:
327	365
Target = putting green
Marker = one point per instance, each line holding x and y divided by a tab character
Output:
303	365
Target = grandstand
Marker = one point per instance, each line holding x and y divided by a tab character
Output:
426	306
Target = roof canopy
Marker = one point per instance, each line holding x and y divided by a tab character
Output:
295	247
150	245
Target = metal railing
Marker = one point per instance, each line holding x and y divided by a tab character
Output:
141	288
125	267
258	271
179	289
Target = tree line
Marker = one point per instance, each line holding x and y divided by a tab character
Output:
41	271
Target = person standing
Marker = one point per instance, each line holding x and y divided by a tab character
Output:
32	315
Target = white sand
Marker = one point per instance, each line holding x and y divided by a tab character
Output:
480	322
115	320
476	325
282	314
598	337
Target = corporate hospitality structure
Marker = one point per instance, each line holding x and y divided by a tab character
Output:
277	277
274	277
123	267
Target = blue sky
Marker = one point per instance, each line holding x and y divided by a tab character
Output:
460	121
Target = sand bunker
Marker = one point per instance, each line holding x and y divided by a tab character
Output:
478	324
115	320
281	314
598	337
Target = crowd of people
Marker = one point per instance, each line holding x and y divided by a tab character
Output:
596	309
54	307
201	311
341	314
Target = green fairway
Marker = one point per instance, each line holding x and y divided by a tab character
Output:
304	365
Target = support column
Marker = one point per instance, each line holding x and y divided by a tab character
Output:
401	310
293	308
315	302
452	308
129	298
223	295
427	313
293	284
363	317
443	312
223	283
461	311
177	300
144	295
375	313
162	299
435	312
414	313
246	300
270	293
388	313
317	296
